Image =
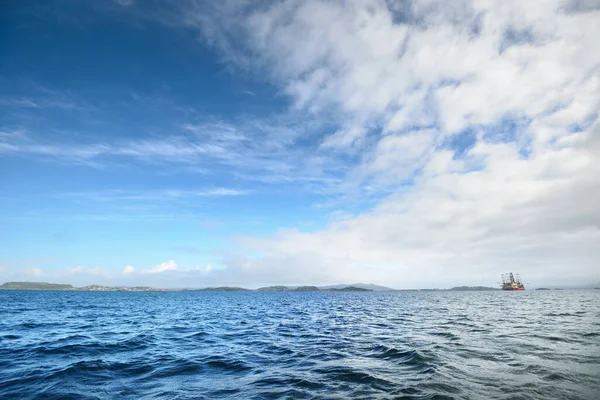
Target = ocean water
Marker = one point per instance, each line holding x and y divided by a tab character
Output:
401	345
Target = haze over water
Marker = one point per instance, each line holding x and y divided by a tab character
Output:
412	345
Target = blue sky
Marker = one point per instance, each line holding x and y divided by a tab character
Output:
193	143
110	110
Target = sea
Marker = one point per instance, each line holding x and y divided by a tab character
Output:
312	345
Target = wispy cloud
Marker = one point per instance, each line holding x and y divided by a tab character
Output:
169	267
398	82
39	103
124	195
9	135
125	3
42	97
251	149
189	249
94	272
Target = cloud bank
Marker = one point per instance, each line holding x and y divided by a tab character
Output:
480	118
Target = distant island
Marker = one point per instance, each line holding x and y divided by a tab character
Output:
59	286
355	287
35	286
274	289
101	288
368	286
349	289
313	289
219	289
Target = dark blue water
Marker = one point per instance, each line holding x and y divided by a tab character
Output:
412	345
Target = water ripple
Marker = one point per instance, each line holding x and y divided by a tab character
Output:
428	345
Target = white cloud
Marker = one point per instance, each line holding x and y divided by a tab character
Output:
75	270
128	269
397	156
34	272
447	59
403	82
162	267
539	216
81	271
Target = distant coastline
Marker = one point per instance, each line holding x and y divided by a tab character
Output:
357	287
102	288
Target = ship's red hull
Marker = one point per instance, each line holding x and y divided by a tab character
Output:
513	289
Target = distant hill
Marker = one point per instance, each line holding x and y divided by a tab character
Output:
368	286
274	289
342	288
102	288
223	289
358	287
306	289
35	286
472	288
99	288
349	289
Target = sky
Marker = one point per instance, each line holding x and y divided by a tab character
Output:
412	144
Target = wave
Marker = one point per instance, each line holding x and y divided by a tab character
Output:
392	345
